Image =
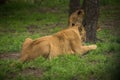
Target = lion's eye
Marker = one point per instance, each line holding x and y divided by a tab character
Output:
73	24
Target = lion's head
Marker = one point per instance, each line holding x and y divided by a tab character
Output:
76	18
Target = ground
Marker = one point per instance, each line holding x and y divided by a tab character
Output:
102	64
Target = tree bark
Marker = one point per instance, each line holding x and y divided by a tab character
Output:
2	2
73	6
91	8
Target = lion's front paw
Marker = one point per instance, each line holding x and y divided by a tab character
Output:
93	46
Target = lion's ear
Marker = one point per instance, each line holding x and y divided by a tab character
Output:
80	12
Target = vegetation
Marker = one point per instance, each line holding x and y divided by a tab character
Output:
21	20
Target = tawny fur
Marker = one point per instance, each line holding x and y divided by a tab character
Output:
68	41
76	19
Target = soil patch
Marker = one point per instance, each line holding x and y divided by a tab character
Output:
9	55
37	72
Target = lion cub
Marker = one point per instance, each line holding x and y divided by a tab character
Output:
68	41
76	19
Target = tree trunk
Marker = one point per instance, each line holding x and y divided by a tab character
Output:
91	8
73	6
2	2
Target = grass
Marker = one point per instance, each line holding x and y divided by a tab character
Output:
18	23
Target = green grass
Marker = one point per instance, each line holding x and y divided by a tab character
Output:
20	21
94	65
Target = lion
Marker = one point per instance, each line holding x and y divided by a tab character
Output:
76	19
67	41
